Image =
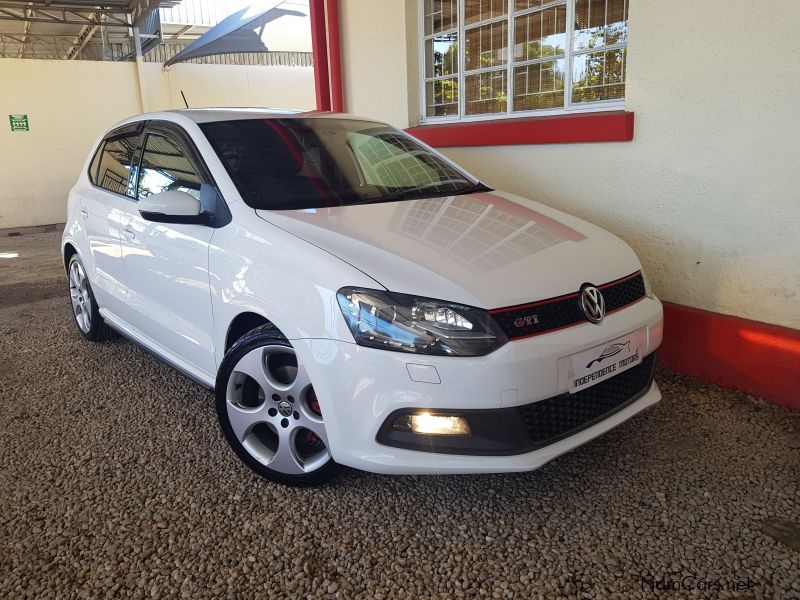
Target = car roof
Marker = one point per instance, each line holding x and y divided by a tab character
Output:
208	115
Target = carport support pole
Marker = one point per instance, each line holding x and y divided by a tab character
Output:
334	56
137	43
319	48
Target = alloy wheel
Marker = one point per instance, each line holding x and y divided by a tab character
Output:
274	413
79	296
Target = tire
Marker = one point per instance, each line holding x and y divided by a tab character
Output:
85	312
268	412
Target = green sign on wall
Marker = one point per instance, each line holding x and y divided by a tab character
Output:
19	122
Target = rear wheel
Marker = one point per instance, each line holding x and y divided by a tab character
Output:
85	311
269	413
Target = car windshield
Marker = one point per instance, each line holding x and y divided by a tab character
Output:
285	164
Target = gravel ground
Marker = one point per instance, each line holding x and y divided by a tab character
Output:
115	482
30	266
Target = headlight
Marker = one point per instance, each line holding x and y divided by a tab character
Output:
420	325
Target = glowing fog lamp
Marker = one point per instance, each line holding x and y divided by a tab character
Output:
428	424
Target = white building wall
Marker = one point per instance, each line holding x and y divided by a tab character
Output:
707	192
69	103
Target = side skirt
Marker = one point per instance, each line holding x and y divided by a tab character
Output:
163	355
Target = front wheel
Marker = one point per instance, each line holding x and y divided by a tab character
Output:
269	413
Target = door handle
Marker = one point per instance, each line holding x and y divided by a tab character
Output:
84	214
128	232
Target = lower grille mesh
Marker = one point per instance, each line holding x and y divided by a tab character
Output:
558	417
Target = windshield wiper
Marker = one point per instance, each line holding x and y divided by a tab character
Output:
422	192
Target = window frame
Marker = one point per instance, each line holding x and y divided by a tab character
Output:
569	107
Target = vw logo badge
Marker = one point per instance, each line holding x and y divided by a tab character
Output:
592	303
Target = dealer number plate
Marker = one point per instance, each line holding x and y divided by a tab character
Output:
603	362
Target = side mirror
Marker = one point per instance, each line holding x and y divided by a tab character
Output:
173	206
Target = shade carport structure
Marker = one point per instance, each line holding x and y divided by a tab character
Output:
241	32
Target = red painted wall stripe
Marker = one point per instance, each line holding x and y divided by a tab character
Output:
319	48
614	126
756	358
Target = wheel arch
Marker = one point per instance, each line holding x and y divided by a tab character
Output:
241	324
68	252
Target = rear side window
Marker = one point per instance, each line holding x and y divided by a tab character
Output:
115	162
95	162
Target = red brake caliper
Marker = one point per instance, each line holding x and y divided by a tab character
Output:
313	404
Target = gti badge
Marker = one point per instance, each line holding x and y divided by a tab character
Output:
526	321
592	303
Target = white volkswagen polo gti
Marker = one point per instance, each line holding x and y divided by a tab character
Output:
355	298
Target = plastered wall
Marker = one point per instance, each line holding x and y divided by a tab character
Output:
69	103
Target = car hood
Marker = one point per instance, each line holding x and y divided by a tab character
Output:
488	249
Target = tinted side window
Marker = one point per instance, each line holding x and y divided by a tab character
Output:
165	167
115	164
95	162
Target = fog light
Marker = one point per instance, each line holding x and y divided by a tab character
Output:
426	423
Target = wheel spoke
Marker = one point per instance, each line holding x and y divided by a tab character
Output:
242	419
252	365
301	381
285	458
74	276
317	461
313	425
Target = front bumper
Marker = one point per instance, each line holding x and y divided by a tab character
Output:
359	388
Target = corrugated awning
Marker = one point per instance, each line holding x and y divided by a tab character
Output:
242	31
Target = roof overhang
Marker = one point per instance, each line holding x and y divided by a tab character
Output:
63	27
117	13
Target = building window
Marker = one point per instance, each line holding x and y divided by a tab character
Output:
494	58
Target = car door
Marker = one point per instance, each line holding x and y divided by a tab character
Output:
169	298
104	207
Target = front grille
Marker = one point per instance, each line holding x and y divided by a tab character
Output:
525	320
555	418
